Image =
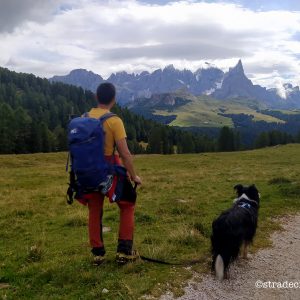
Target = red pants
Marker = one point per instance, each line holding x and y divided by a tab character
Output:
95	204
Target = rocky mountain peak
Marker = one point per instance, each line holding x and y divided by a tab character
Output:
237	69
169	68
79	71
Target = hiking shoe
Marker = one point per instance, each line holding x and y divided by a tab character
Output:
98	255
98	260
122	258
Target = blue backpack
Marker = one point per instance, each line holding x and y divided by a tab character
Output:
89	170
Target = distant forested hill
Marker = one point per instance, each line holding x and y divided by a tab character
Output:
34	114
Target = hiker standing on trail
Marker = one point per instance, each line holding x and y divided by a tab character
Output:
118	188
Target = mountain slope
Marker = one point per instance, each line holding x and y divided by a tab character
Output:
185	110
236	85
81	78
209	80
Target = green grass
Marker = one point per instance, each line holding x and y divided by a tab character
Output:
288	112
44	253
204	112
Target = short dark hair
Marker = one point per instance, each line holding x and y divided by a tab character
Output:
106	92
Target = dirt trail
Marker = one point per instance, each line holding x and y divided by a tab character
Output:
277	264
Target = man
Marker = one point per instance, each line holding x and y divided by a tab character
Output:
115	135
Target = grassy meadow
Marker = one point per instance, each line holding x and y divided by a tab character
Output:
44	251
204	111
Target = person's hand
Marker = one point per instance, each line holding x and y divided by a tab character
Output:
137	180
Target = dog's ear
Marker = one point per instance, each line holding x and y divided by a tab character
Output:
253	192
239	189
253	188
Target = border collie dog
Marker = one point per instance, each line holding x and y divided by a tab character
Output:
233	228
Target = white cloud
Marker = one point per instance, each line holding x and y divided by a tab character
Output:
109	36
14	13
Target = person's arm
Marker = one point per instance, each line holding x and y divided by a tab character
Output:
127	159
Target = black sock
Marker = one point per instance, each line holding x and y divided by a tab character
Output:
125	246
98	251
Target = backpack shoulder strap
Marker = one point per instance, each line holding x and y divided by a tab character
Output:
103	119
106	116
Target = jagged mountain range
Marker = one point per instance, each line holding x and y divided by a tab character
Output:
210	81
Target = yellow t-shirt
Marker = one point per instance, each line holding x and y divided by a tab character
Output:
113	127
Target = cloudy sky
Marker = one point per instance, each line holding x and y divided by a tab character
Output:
53	37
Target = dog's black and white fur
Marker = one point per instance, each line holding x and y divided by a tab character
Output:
233	228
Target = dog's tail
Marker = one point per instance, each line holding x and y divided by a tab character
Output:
225	247
219	267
